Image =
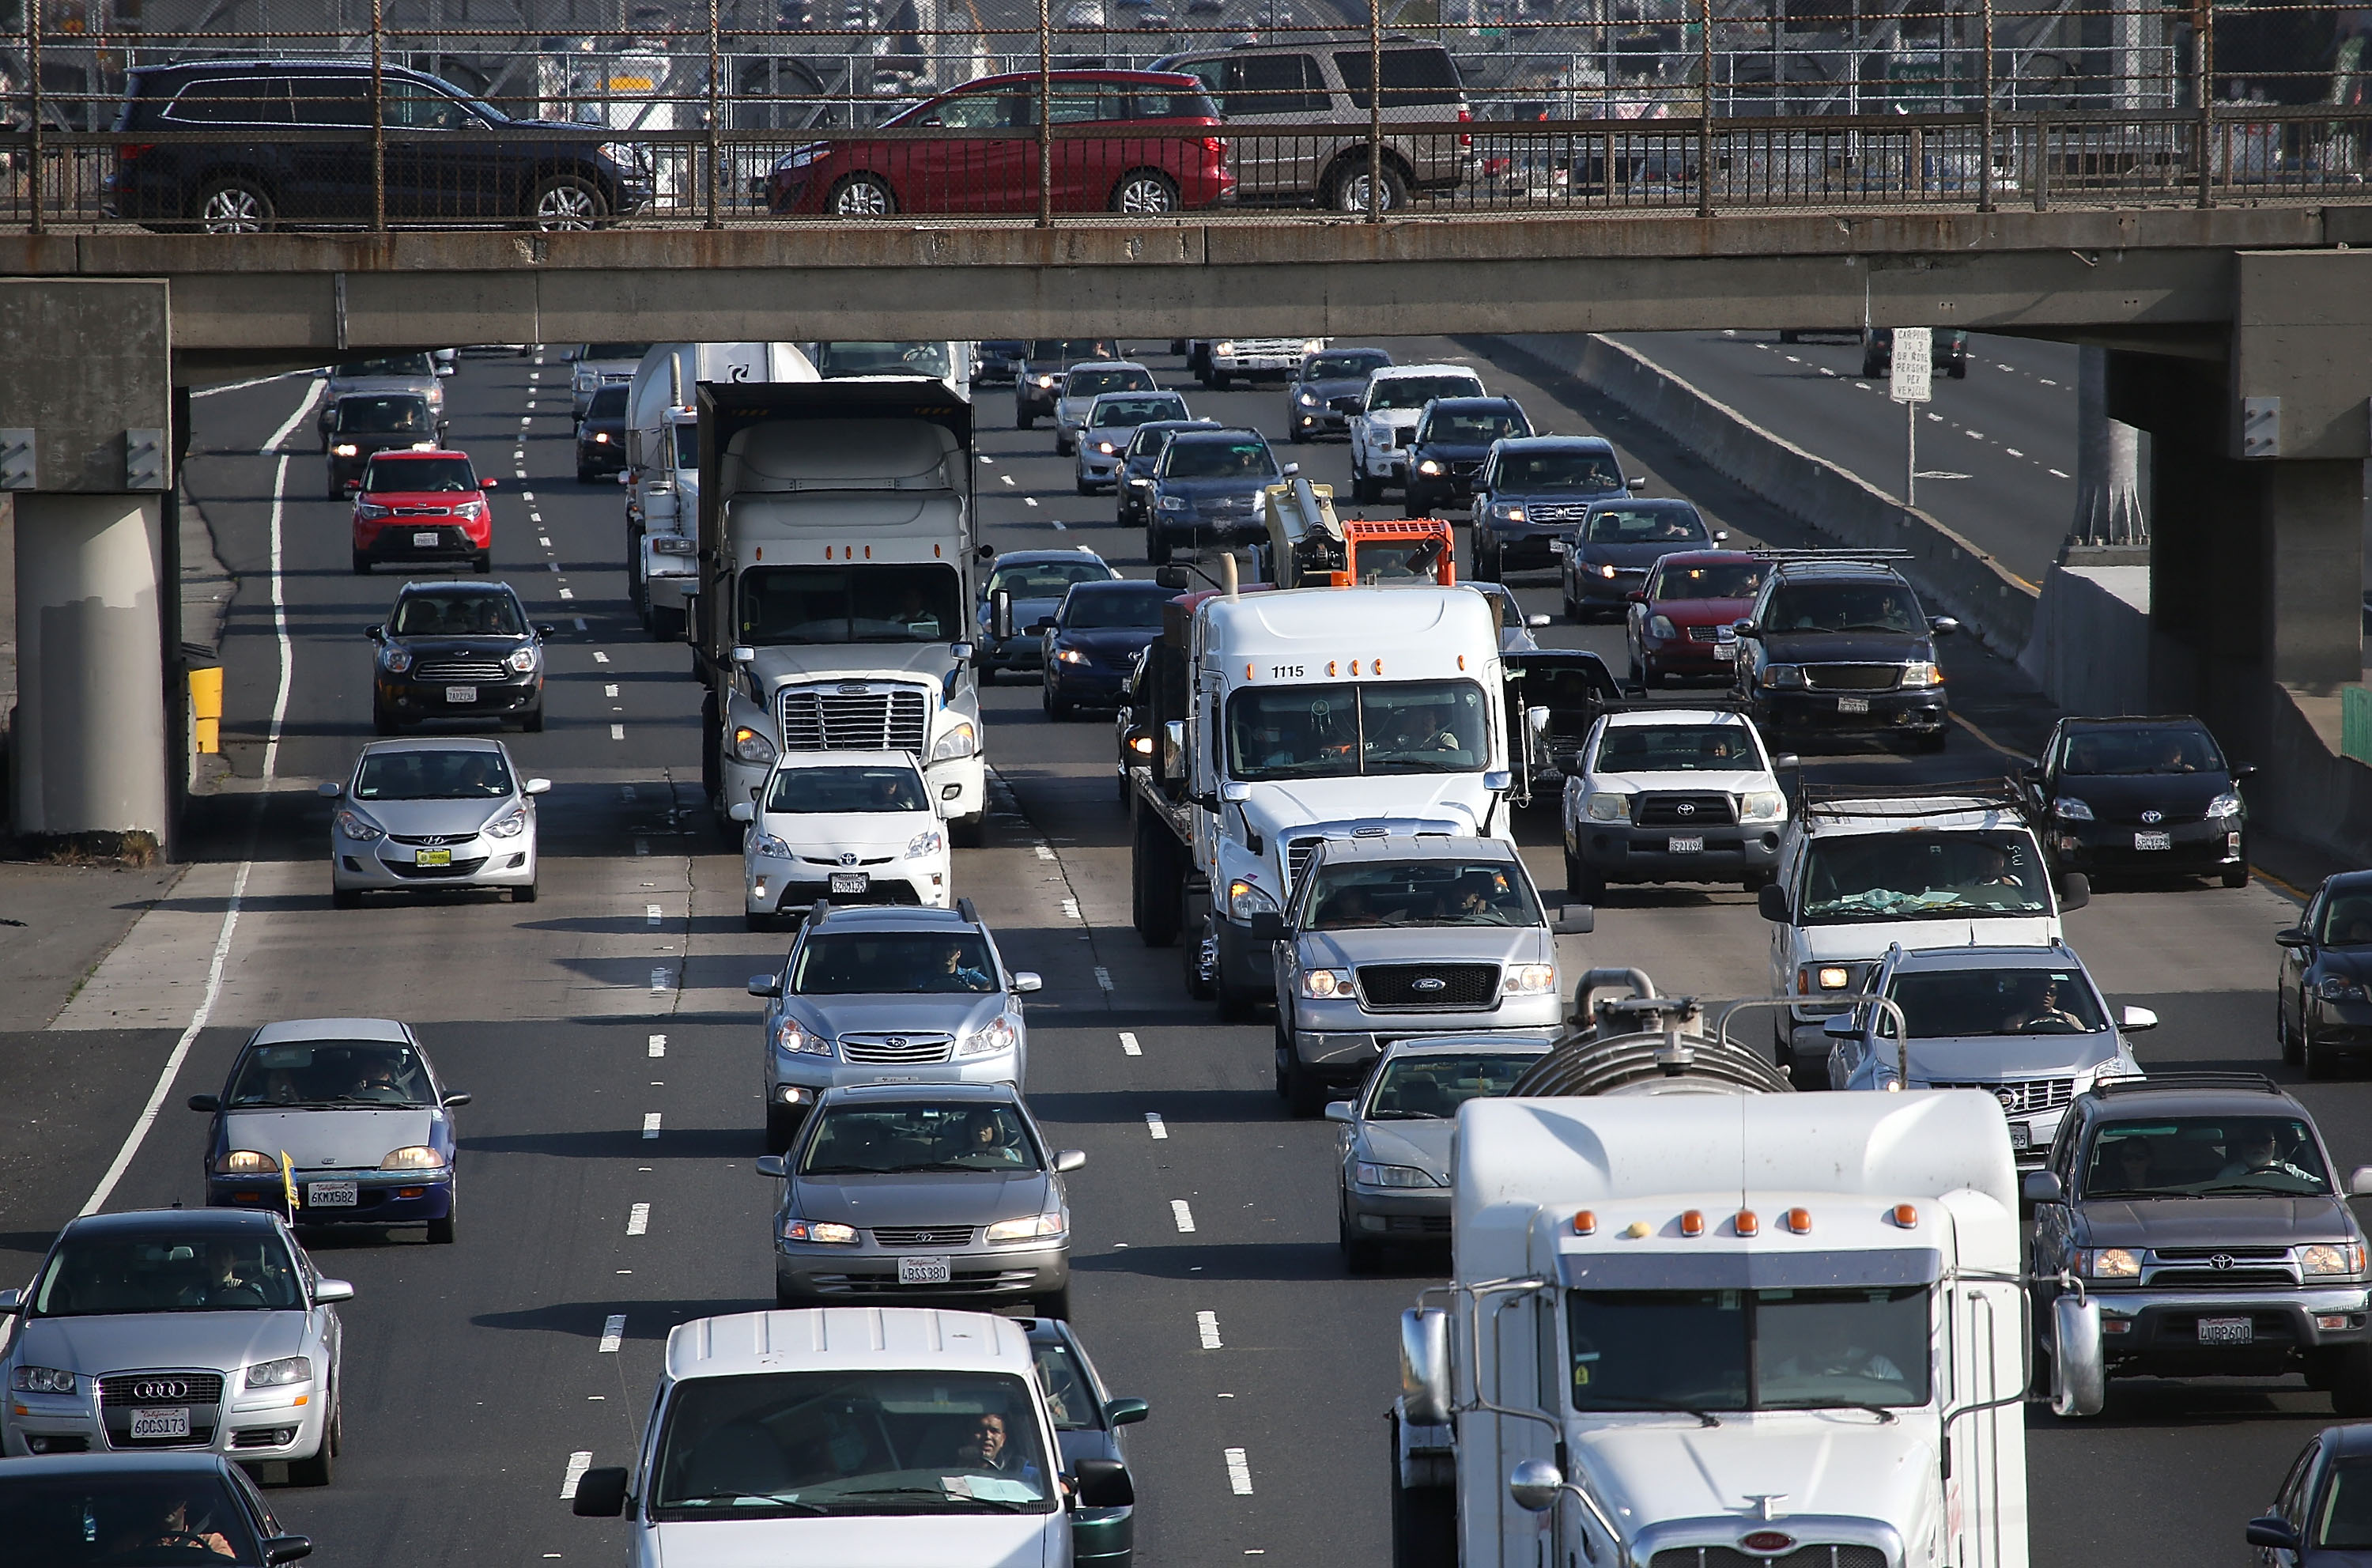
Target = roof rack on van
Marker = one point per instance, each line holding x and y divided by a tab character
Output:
2256	1082
1910	800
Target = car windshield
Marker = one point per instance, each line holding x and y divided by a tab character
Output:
890	1139
1046	351
1520	474
1343	366
2142	750
1301	732
432	775
867	963
1120	412
2200	1155
1070	1397
1431	1088
1718	579
116	1272
1046	579
610	403
1377	560
412	476
315	1073
1150	439
458	615
117	1519
1105	609
1416	391
1739	1349
1931	875
817	791
1420	892
1843	606
1089	383
1646	525
393	365
1959	1003
2347	919
1219	460
1676	748
403	414
1474	429
803	605
866	1441
2342	1522
881	359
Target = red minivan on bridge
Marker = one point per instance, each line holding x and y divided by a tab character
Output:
1150	162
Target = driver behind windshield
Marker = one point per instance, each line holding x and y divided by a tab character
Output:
2257	1151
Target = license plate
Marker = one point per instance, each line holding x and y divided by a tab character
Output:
432	857
424	541
2226	1331
1853	704
2021	1136
160	1424
460	693
1685	846
335	1194
2152	840
851	881
922	1270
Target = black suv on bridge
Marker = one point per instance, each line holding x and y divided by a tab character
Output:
1839	644
450	158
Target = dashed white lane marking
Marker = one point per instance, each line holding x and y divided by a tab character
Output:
535	375
650	1124
527	496
599	657
1062	527
1934	419
580	626
535	517
1153	1125
617	732
609	690
641	846
613	1334
1029	500
543	541
1128	1046
1183	1216
2056	474
1974	435
1103	978
1239	1473
578	1463
565	593
658	1045
987	458
553	564
523	419
2013	451
1007	477
660	977
1206	1326
1071	908
652	913
1044	853
638	1219
2046	381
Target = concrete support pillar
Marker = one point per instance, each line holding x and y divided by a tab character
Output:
91	731
2313	529
2108	466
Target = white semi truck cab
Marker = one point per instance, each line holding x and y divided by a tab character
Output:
1717	1325
836	583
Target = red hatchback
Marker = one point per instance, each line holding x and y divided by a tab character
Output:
416	506
1680	621
1148	163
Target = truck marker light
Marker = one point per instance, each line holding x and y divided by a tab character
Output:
1906	1215
760	553
1637	1230
1248	672
1692	1222
1799	1221
1767	1542
1748	1222
1585	1223
1462	661
1329	667
1354	667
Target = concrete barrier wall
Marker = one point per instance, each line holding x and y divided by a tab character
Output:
2090	646
2304	788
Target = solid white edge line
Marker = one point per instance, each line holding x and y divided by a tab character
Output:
613	1334
250	381
279	626
312	396
578	1463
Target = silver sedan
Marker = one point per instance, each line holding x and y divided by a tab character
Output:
448	812
177	1328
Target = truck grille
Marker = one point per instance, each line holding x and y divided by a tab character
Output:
1851	677
2023	1096
852	718
897	1047
483	672
1424	987
1296	857
1704	809
1802	1557
161	1388
922	1236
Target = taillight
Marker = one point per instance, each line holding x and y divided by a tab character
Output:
1465	117
130	150
1214	146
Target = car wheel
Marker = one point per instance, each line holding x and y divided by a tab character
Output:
1061	709
666	625
569	202
362	564
2351	1391
2236	876
1424	1519
1589	887
1055	1304
782	1126
1156	546
2284	1036
1145	193
483	562
1351	189
969	833
1367	492
1305	1092
533	723
1872	367
1572	610
383	722
1023	419
524	893
335	493
1413	502
345	898
320	1467
864	196
1932	743
1957	370
787	1298
1083	487
234	205
2316	1061
584	476
1636	674
440	1231
1360	1255
1574	873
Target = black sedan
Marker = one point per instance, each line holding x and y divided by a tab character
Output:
1618	543
72	1508
2322	1516
367	424
999	362
1451	441
1086	1424
1326	388
2140	795
1094	641
601	436
458	650
2325	1007
1206	490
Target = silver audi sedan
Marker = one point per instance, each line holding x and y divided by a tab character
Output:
177	1328
443	812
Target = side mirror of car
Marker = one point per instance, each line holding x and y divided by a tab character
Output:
1744	628
546	629
2135	1019
1843	1025
601	1494
745	656
1174	578
329	790
1268	926
288	1548
375	633
1025	981
772	1165
1000	614
742	811
1537	719
1102	1483
1575	920
1537	622
1721	536
961	651
2244	771
2075	891
2359	1181
538	786
455	1100
488	484
1069	1160
205	1102
2038	1187
1787	760
1125	1411
1637	596
1943	625
330	1291
1771	903
767	986
1342	1110
1560	547
2274	1532
1635	484
12	1301
2291	936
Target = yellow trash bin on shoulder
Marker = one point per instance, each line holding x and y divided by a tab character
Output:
205	708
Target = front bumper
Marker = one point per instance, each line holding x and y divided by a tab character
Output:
1621	853
408	699
1318	421
1088	685
1397	1214
1686	655
427	539
286	1422
1254	363
812	1075
670	591
771	885
477	862
2207	843
1921	712
409	1197
1197	528
866	1275
601	457
1022	651
1037	402
1521	546
1094	467
2160	1333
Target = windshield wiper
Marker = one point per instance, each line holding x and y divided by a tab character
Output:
1001	1504
1705	1418
714	1497
2135	1192
2253	1187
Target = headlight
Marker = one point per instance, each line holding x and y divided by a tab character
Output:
1919	674
1105	447
1823	976
1045	380
522	661
921	844
2332	1258
1763	805
345	449
1776	675
1030	1228
1606	806
395	661
1071	655
412	1156
2068	808
795	1038
509	825
280	1374
1173	502
2225	804
767	844
243	1160
961	740
2112	1263
1223	348
41	1380
1507	513
1311	345
751	745
1246	899
2339	988
670	544
1606	570
800	157
825	1233
1323	984
1306	396
1369	1175
1528	980
362	830
600	438
1428	466
369	509
1000	1036
1660	626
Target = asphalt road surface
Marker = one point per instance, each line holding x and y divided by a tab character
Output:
474	1371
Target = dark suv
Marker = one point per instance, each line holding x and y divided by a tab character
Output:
1038	378
2201	1212
1450	443
458	650
367	424
450	158
1840	645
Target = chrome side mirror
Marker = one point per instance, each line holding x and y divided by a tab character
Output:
2079	1384
1342	1110
772	1165
765	985
2137	1019
1025	981
1424	1365
1068	1160
1533	1485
